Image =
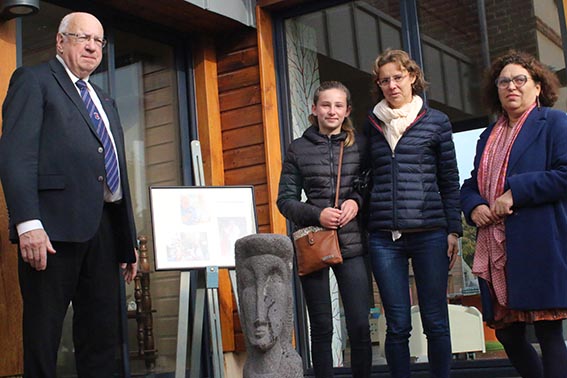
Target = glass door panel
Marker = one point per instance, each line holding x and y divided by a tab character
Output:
340	43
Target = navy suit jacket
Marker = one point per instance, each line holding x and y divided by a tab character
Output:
51	160
536	233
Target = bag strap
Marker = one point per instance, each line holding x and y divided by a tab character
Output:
339	174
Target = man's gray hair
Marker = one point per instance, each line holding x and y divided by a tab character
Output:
64	25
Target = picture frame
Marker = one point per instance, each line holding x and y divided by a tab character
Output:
196	226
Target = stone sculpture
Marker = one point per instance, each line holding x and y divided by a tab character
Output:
264	274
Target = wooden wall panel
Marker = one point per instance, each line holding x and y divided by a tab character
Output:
244	157
159	116
263	213
157	80
160	134
240	97
255	175
239	59
240	100
161	153
261	194
243	137
158	98
245	116
238	79
11	360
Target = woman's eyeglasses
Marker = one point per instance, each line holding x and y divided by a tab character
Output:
504	82
386	81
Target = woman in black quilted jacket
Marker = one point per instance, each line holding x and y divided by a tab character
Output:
311	166
413	210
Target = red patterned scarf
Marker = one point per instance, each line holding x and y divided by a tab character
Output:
490	253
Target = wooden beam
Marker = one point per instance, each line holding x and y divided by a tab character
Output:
11	363
208	111
210	136
270	117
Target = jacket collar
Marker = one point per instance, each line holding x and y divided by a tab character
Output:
64	80
69	88
312	133
533	125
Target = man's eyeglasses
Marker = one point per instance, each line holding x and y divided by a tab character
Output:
84	38
386	81
504	82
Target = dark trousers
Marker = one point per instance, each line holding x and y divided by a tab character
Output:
352	278
553	360
86	274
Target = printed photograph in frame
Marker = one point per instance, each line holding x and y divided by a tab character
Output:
197	226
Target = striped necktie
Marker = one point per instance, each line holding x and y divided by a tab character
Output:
110	159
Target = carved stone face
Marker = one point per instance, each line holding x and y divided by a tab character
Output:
263	282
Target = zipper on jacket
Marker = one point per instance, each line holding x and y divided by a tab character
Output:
332	172
394	192
376	124
394	165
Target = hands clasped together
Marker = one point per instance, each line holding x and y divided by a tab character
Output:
335	218
483	215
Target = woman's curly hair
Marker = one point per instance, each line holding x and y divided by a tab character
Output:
540	74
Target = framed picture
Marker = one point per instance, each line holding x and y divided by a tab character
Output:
196	227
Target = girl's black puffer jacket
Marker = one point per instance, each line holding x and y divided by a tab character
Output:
416	186
311	164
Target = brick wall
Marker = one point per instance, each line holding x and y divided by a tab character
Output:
510	24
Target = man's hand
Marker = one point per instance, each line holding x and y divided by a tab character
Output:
129	270
34	246
453	249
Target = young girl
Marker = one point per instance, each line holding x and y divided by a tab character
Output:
311	164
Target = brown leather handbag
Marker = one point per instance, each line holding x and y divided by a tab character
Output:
318	247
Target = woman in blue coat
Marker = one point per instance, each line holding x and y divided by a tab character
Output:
517	198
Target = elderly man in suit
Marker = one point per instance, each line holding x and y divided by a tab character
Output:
63	170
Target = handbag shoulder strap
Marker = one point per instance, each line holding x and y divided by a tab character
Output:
339	174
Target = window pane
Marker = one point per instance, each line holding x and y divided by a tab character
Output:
453	65
340	43
146	95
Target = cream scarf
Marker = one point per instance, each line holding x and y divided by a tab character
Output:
396	121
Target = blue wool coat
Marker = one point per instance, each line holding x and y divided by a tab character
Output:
536	233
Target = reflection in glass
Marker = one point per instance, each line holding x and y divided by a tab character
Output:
453	60
339	43
146	96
